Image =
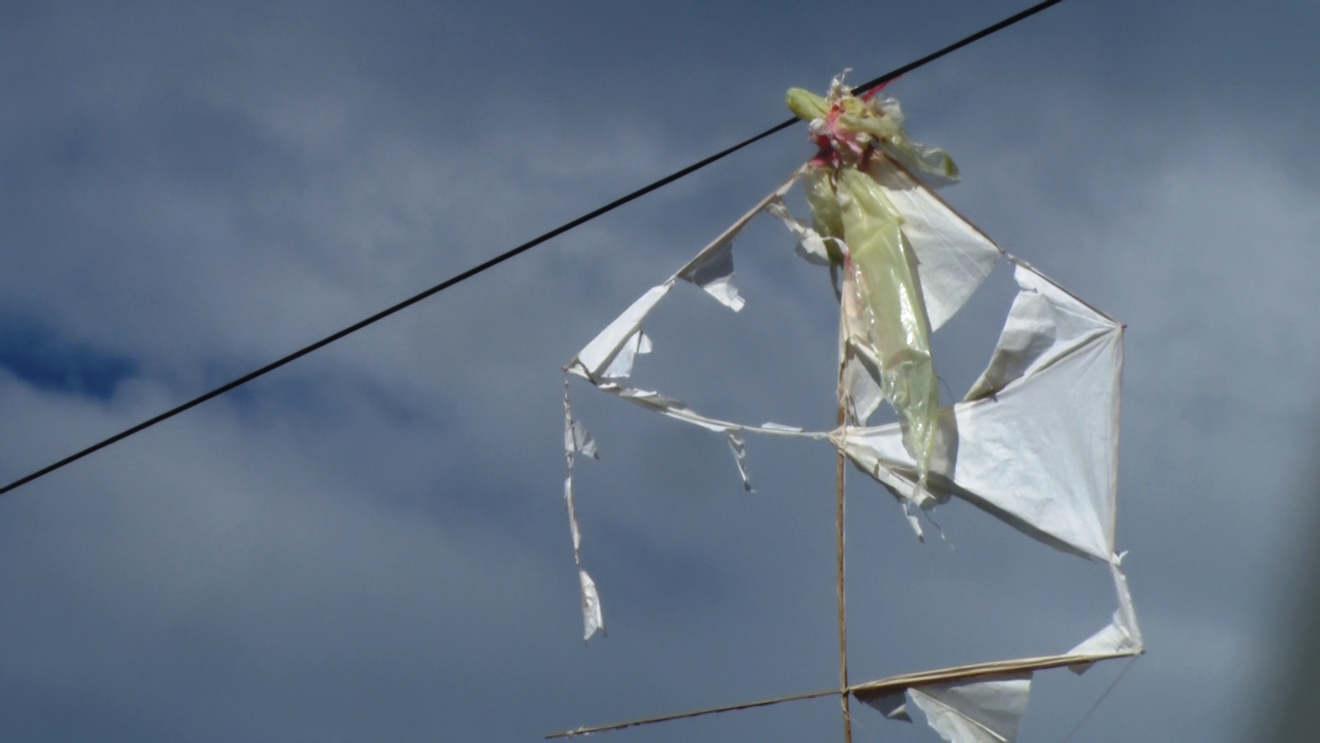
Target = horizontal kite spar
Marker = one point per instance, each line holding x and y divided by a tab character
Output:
872	690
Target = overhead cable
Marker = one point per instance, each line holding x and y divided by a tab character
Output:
491	263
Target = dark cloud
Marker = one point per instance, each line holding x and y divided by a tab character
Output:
47	362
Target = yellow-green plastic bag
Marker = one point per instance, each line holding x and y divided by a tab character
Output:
848	206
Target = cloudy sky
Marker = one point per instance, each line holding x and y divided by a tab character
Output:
371	544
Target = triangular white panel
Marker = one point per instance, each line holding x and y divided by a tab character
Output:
712	270
977	712
596	356
1120	636
1041	454
1043	324
892	705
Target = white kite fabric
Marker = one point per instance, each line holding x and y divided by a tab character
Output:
976	712
1034	443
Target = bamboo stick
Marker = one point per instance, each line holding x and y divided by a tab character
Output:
878	688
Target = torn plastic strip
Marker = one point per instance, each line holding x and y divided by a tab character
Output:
1126	616
712	267
1121	635
573	529
578	439
593	620
810	245
880	273
780	427
714	275
576	436
740	457
570	447
678	410
1028	334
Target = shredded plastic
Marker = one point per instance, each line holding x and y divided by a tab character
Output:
850	209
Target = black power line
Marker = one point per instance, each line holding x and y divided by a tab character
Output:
888	76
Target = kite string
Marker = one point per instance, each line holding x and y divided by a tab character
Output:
1100	699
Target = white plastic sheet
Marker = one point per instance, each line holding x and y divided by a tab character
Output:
892	706
739	448
713	272
1040	454
977	712
810	245
1126	616
671	407
1044	324
1122	635
596	356
862	395
712	268
592	619
953	256
578	439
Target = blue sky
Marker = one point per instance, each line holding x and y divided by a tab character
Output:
42	359
370	544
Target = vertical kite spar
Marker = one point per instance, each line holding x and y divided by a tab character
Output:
1034	443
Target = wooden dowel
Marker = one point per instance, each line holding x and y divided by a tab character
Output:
692	713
